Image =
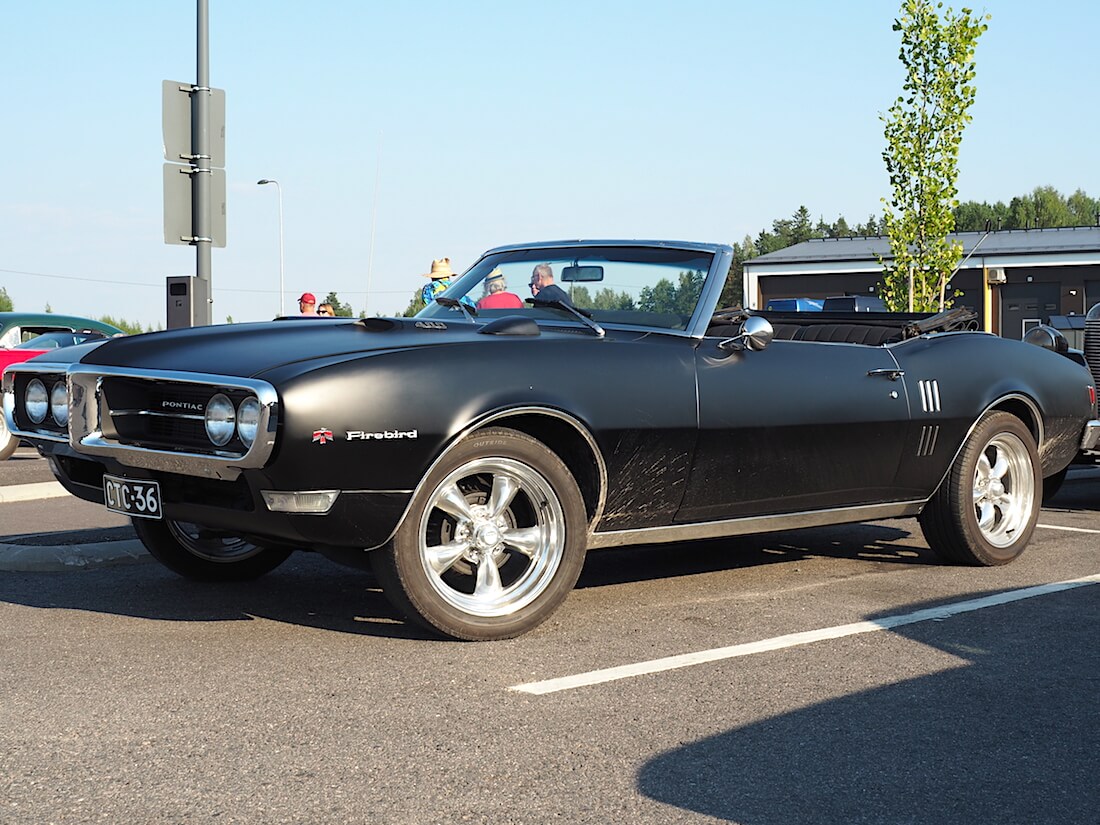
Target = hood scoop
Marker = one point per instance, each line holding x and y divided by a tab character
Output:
377	324
510	325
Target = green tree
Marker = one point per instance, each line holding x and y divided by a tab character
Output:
415	305
129	327
923	132
5	301
340	309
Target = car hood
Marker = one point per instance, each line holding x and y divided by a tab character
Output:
247	350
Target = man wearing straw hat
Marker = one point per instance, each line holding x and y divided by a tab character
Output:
441	276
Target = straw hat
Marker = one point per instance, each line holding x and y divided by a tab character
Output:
440	269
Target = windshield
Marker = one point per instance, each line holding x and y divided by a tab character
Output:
637	286
56	340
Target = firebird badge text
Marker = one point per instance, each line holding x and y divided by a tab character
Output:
430	325
359	435
322	436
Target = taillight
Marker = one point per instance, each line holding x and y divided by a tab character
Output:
1092	395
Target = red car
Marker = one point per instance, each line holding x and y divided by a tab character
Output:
25	335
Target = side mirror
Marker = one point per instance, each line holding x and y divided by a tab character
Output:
756	333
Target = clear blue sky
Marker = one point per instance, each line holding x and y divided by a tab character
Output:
491	123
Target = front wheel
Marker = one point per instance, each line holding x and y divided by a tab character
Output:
206	555
493	542
987	506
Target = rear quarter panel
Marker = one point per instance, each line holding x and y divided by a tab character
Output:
973	372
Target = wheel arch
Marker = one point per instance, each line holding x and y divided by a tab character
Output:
1024	408
563	434
1015	404
566	437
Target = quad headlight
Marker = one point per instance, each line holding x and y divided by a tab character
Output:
36	401
59	403
248	420
221	419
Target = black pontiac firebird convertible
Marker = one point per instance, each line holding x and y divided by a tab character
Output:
474	455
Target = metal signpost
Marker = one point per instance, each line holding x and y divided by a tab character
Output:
193	122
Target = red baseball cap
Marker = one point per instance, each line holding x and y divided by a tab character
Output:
307	298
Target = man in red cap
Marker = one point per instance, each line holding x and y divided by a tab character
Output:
307	304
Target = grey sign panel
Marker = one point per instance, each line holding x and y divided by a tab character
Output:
176	123
177	205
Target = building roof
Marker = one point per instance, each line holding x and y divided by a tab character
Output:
1072	241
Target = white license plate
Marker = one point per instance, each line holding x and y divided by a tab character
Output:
132	497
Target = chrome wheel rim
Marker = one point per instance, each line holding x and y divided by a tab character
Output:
491	537
211	545
1004	490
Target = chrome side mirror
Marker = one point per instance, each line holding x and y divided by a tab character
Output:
756	333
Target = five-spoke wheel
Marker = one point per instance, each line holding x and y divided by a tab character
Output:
493	542
985	509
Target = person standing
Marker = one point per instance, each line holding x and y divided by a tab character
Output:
543	278
440	275
307	304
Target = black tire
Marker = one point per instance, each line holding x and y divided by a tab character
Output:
493	542
206	555
1052	484
9	442
985	509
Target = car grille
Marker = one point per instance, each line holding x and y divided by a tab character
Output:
163	415
1092	346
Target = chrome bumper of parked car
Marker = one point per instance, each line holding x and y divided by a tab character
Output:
1091	439
88	414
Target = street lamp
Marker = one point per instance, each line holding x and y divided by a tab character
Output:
279	189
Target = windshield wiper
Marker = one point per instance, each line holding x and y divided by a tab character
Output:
470	312
584	315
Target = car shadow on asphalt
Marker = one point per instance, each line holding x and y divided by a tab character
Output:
306	590
870	542
1004	731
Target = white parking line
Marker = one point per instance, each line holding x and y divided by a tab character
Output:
596	677
32	492
1068	529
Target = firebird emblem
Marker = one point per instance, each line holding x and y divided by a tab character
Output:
322	436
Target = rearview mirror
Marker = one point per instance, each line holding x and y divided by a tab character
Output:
586	274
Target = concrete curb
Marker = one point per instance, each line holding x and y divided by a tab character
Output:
32	492
25	558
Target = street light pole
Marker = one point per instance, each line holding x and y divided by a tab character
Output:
282	281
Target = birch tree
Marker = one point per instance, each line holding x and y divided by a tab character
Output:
923	132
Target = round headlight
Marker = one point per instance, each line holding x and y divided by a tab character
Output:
220	419
36	401
59	403
248	420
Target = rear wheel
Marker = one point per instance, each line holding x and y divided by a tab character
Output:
206	555
493	542
987	506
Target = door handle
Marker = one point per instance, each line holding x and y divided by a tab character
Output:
893	373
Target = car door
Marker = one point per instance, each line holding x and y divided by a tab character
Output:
800	425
